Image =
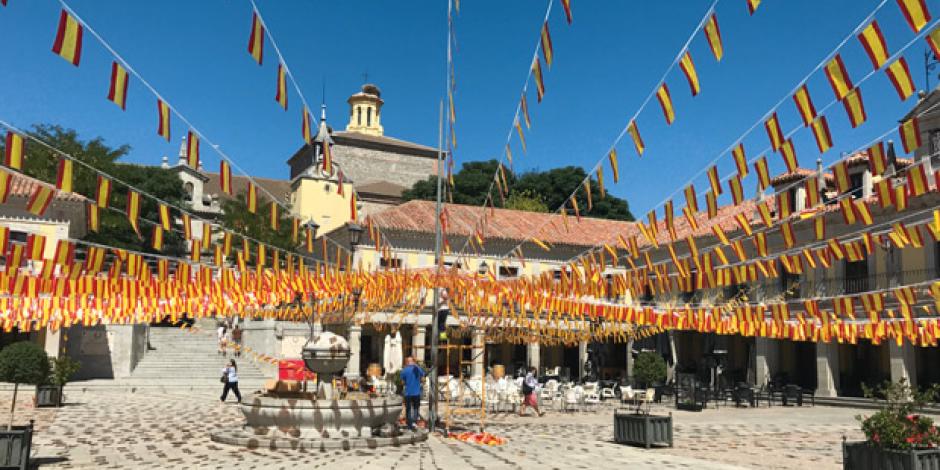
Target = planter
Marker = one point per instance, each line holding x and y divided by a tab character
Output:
643	430
864	456
48	395
14	446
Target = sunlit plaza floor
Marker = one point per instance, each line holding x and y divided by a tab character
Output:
119	429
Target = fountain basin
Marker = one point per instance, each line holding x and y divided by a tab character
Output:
304	416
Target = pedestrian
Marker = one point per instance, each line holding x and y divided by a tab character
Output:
530	386
237	340
221	334
412	376
230	379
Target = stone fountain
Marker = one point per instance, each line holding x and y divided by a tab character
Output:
320	419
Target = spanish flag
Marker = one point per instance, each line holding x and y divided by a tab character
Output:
635	136
261	256
691	201
713	35
353	209
789	238
789	156
40	199
521	135
876	159
14	151
910	134
539	84
547	51
327	158
804	104
774	133
822	135
566	4
720	234
737	193
760	244
714	180
916	180
133	209
305	125
206	233
612	156
688	68
6	179
156	238
763	210
874	43
900	76
163	119
35	247
272	216
600	181
192	150
252	198
63	179
524	106
94	222
226	243
838	77
103	192
164	214
187	226
309	240
117	93
915	12
64	253
662	94
256	39
848	212
812	195
819	227
885	192
934	40
195	250
225	177
841	172
855	107
68	39
752	6
281	95
763	173
862	211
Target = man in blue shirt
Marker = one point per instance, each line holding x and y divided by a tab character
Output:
412	376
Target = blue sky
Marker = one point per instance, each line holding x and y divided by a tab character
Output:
606	63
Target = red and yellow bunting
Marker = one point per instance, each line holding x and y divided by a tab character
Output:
192	150
163	214
614	169
635	136
546	41
915	12
874	43
688	68
665	101
566	4
256	39
763	173
713	35
789	156
838	77
910	135
281	94
539	82
252	198
103	192
821	133
804	104
714	180
68	39
14	150
225	177
117	92
40	200
752	6
133	210
774	133
900	76
64	172
855	107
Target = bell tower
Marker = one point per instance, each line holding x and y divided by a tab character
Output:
365	111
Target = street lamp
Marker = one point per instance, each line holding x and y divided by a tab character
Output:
483	267
312	227
355	234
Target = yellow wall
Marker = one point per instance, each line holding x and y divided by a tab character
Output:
317	199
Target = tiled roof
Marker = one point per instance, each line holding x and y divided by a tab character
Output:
861	158
419	216
380	188
24	186
278	188
799	173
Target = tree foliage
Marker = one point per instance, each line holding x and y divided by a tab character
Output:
41	163
24	363
258	226
552	188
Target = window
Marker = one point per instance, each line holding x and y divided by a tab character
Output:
452	264
856	276
358	115
855	187
369	116
508	272
390	263
188	189
18	236
934	142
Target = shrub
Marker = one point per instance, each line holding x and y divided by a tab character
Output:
63	368
897	425
23	362
649	368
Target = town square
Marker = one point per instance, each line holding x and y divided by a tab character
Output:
445	234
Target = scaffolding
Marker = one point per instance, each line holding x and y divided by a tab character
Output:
454	404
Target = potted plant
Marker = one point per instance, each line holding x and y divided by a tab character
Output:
50	393
640	427
22	362
896	437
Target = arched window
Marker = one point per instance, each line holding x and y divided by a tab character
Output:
358	115
188	189
368	116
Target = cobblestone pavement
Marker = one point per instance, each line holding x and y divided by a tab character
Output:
104	429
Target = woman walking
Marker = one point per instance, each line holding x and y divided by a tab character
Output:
530	387
230	379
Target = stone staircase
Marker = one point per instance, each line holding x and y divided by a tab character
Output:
186	360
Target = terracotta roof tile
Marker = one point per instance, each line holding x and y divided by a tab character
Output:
24	186
279	188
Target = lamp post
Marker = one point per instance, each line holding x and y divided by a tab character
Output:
312	227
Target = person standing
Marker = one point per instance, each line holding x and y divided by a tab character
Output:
530	386
237	340
412	376
230	379
220	332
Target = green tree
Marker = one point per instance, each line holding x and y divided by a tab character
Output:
525	201
258	226
42	162
551	187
